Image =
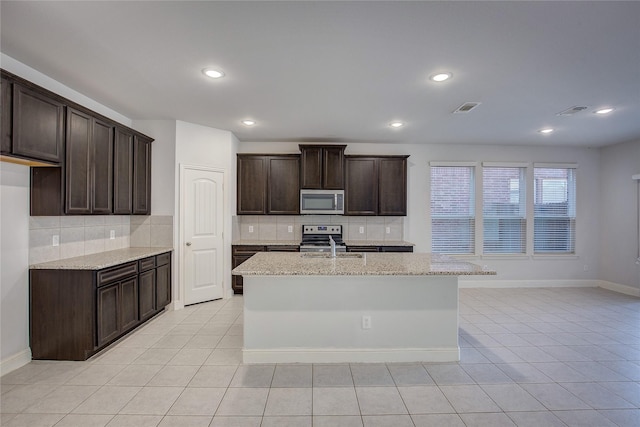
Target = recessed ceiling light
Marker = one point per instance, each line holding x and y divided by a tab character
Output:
213	73
440	77
396	124
606	110
546	130
248	122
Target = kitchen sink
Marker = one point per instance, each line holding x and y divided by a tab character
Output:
328	255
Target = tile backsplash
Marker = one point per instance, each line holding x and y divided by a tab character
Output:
276	227
89	234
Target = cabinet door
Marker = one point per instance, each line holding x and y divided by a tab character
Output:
236	281
108	313
392	184
129	304
38	125
163	286
101	168
5	112
311	162
252	185
141	176
123	172
333	168
147	296
78	155
361	192
284	185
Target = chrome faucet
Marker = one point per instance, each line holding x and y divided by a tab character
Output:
333	246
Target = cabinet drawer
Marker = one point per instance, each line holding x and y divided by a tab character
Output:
116	273
247	249
147	263
163	259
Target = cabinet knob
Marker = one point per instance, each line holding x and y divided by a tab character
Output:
188	243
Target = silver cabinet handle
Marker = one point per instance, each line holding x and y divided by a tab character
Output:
188	243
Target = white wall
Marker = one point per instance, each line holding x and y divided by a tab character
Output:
525	270
618	231
14	269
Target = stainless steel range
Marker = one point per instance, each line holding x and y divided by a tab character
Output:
317	238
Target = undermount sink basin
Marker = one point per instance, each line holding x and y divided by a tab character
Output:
328	255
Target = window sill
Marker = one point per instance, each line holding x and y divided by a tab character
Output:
506	256
558	257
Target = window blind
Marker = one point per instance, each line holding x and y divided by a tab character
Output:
554	210
504	210
452	209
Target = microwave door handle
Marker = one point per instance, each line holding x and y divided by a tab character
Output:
335	205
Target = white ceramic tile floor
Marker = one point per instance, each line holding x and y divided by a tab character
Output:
529	358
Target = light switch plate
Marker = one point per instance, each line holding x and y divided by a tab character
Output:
251	229
112	234
55	240
361	230
290	229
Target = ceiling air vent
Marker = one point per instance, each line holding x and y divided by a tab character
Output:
466	107
572	110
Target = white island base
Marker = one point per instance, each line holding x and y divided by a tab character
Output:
319	319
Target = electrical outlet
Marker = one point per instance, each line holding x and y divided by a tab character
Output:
388	230
290	229
366	322
55	240
251	229
361	230
112	234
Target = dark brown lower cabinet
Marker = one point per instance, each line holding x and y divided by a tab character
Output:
239	254
147	292
379	248
76	313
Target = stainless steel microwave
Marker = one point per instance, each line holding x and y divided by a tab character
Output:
322	202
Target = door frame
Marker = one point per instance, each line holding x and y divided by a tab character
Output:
226	233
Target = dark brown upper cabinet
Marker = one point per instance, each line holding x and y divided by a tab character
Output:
376	185
322	166
268	184
141	175
283	185
5	115
37	124
123	172
361	192
88	168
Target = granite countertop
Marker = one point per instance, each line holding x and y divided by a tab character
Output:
370	264
297	243
266	242
100	260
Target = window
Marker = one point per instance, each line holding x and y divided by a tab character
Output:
503	210
554	210
452	209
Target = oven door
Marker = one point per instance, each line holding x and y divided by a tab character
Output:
328	202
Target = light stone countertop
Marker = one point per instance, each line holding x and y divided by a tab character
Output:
266	242
297	243
371	264
100	260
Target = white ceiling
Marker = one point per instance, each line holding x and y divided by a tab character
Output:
341	71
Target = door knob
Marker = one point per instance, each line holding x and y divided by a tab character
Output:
188	243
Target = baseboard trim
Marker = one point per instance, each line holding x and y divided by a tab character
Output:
617	287
14	362
471	283
348	355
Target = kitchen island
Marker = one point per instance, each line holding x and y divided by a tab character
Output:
356	307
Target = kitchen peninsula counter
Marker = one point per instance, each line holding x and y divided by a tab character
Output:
357	307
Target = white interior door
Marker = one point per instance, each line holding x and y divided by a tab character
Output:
202	232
